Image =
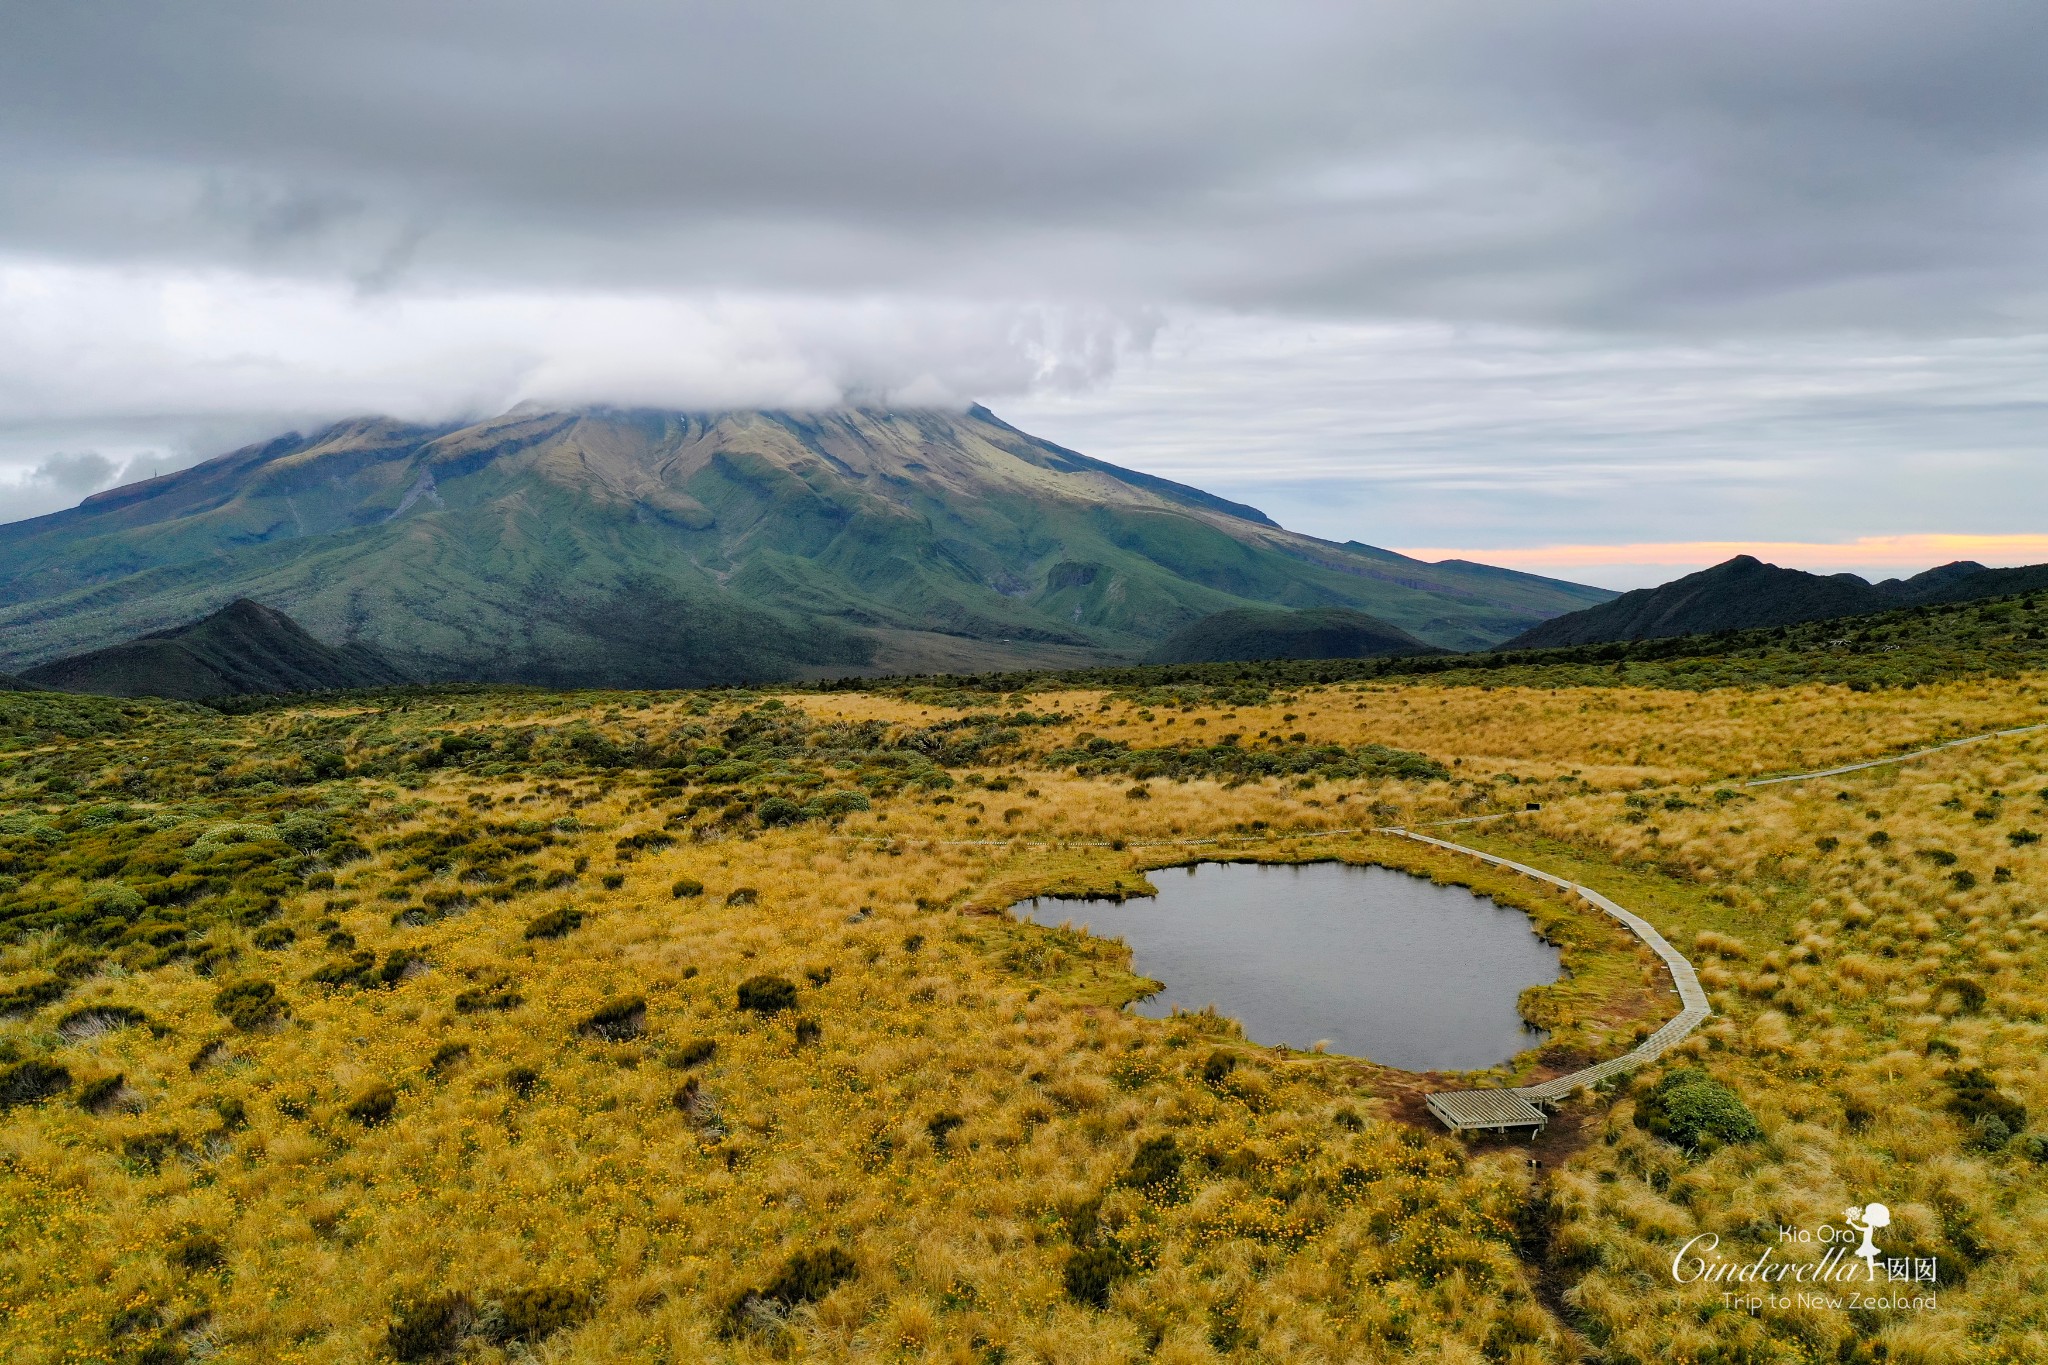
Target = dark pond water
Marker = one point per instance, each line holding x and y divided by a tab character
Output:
1378	963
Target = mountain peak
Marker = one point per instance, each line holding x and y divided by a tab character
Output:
653	547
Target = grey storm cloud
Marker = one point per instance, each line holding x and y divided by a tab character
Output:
1607	164
1407	271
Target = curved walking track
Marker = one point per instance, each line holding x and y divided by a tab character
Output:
1517	1108
1510	1108
1896	758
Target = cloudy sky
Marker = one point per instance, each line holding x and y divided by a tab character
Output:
1605	289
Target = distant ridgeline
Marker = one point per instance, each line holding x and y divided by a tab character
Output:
609	548
1744	593
1903	647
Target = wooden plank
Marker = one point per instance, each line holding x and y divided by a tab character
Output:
1497	1109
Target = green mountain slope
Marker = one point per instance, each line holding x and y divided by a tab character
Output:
650	548
1266	633
242	648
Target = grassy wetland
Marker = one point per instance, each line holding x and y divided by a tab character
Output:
503	1025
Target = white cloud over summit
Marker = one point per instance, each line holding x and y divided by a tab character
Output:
1602	224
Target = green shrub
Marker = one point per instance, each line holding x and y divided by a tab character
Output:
743	895
494	994
686	887
146	1151
373	1106
1966	992
940	1126
250	1005
429	1328
805	1278
355	970
1974	1095
767	994
693	1053
198	1252
446	1057
617	1021
31	1082
556	923
99	1095
522	1081
1218	1067
1155	1166
1689	1108
89	1021
25	997
807	1031
1091	1272
398	964
612	881
273	937
532	1313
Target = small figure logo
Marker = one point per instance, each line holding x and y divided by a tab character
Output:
1868	1220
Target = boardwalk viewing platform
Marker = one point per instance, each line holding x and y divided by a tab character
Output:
1514	1108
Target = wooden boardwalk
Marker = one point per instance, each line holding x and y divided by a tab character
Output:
1491	1109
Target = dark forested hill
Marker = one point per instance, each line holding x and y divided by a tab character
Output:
1744	593
649	548
242	648
1266	633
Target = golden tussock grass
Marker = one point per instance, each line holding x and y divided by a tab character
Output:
967	1115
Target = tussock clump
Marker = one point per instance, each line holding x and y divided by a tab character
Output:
617	1021
941	1126
250	1005
805	1278
556	923
701	1108
767	994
